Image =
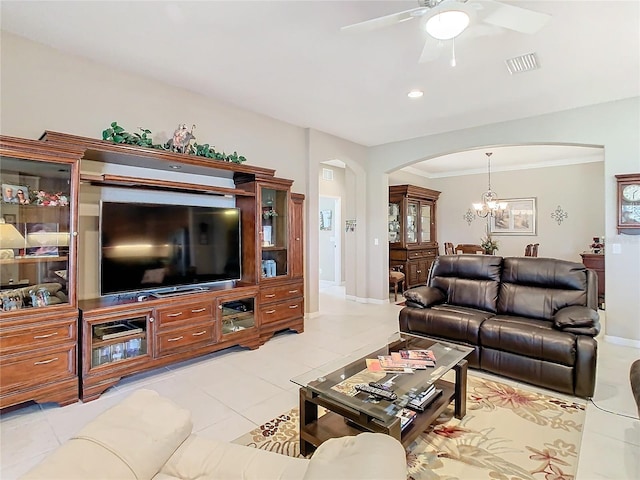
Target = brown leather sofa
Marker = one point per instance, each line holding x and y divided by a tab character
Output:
530	319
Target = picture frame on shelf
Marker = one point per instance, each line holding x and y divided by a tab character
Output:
519	218
17	194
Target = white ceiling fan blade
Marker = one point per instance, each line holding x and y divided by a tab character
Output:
432	49
380	22
514	18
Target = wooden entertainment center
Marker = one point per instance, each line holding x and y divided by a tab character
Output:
61	349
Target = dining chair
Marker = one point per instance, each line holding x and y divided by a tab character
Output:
528	249
448	249
396	278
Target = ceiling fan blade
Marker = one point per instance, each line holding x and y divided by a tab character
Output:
514	18
432	50
380	22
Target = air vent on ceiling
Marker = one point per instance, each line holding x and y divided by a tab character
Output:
327	174
523	63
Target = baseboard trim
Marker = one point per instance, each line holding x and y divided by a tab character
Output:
625	342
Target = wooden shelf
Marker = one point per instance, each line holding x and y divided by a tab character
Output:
96	342
164	185
34	259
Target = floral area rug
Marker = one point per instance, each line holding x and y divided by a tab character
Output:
508	433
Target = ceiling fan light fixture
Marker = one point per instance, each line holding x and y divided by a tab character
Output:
447	24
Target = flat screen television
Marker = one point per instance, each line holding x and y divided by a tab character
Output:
154	247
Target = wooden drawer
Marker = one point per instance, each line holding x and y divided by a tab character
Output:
281	293
38	336
282	311
427	253
193	312
176	340
38	368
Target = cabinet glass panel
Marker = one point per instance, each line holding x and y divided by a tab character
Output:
425	223
119	340
394	222
34	233
275	235
238	315
412	223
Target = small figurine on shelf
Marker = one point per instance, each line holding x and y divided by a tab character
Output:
598	245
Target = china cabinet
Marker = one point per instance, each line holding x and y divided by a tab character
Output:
38	308
412	231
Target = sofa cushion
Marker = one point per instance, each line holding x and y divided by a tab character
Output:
204	458
424	296
528	337
539	287
445	321
468	280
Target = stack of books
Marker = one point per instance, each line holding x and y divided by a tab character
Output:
406	417
423	399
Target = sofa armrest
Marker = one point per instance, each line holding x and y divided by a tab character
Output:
424	297
363	457
131	440
577	319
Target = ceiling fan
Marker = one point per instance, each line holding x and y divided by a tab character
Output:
446	19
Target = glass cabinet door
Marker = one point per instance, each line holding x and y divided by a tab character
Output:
412	223
274	219
425	223
394	222
237	315
35	233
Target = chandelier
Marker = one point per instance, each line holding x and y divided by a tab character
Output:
490	204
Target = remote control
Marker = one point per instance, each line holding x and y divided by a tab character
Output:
379	385
376	392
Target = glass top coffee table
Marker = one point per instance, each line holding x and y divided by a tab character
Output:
351	412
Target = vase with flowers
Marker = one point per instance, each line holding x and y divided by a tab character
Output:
488	244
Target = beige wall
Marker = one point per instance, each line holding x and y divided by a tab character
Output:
44	89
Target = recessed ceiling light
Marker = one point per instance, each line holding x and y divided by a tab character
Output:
415	94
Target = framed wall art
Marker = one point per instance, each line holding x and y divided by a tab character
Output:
519	218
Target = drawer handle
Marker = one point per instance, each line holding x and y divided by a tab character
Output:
293	306
419	271
270	295
43	362
293	291
174	314
199	333
46	336
198	310
175	339
270	312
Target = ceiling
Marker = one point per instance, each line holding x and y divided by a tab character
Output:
290	61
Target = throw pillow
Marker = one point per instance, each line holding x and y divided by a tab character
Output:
424	296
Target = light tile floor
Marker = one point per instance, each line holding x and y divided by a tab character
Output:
231	392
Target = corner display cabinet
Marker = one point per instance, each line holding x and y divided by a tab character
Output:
277	236
38	308
412	231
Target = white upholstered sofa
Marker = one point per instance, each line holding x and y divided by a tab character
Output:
147	436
